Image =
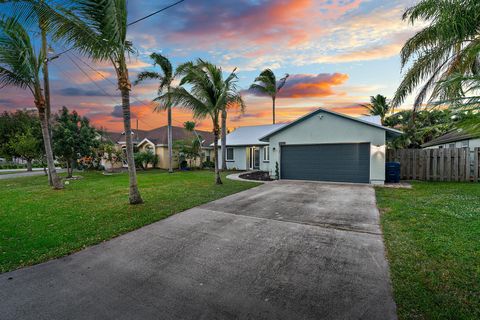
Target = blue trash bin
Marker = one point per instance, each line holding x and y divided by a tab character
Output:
392	172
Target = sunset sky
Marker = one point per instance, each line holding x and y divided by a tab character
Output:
338	53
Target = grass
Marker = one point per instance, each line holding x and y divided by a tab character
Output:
38	224
432	236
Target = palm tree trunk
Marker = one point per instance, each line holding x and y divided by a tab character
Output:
170	140
273	109
124	86
52	173
134	193
46	83
224	140
215	151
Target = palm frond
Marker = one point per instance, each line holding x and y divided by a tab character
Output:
19	63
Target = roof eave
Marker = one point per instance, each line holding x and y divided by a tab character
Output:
311	114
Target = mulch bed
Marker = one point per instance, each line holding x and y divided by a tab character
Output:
257	175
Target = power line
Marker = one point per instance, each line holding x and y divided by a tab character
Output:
129	24
154	13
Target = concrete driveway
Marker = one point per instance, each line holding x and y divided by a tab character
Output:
286	250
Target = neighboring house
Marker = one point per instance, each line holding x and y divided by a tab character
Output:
322	145
454	139
156	141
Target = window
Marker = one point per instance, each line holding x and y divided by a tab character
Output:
451	145
465	144
266	154
229	154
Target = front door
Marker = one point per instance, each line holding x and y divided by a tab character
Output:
254	158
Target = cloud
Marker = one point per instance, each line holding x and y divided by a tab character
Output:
138	109
78	92
309	85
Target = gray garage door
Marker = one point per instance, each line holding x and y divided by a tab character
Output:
326	162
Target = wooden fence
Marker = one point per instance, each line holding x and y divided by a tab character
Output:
450	164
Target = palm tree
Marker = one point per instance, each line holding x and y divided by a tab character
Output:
166	78
98	29
449	44
208	95
41	14
266	83
224	129
378	106
20	66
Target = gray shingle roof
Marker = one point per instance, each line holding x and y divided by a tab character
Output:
452	136
159	135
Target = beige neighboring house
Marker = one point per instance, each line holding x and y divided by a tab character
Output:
156	140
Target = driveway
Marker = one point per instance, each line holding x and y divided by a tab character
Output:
285	250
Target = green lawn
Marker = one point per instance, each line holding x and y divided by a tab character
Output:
432	235
37	223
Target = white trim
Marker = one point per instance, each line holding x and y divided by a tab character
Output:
145	140
266	154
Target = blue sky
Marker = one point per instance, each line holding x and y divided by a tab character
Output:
338	53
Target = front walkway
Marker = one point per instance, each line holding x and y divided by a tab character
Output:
285	250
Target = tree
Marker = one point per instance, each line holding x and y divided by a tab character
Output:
27	146
378	106
190	127
13	124
20	67
208	94
266	83
166	78
423	127
188	149
238	102
108	154
144	158
98	29
73	138
448	45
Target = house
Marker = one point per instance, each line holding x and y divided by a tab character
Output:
156	141
454	139
322	145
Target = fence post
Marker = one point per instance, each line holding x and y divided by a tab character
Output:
448	164
427	164
455	164
476	164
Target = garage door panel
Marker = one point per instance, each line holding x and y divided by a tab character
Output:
326	162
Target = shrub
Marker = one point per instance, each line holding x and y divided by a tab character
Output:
209	164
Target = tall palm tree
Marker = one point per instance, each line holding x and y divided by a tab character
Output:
166	78
266	83
98	29
208	95
224	129
378	106
449	44
20	66
41	14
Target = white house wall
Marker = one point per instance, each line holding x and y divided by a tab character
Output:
239	158
327	128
